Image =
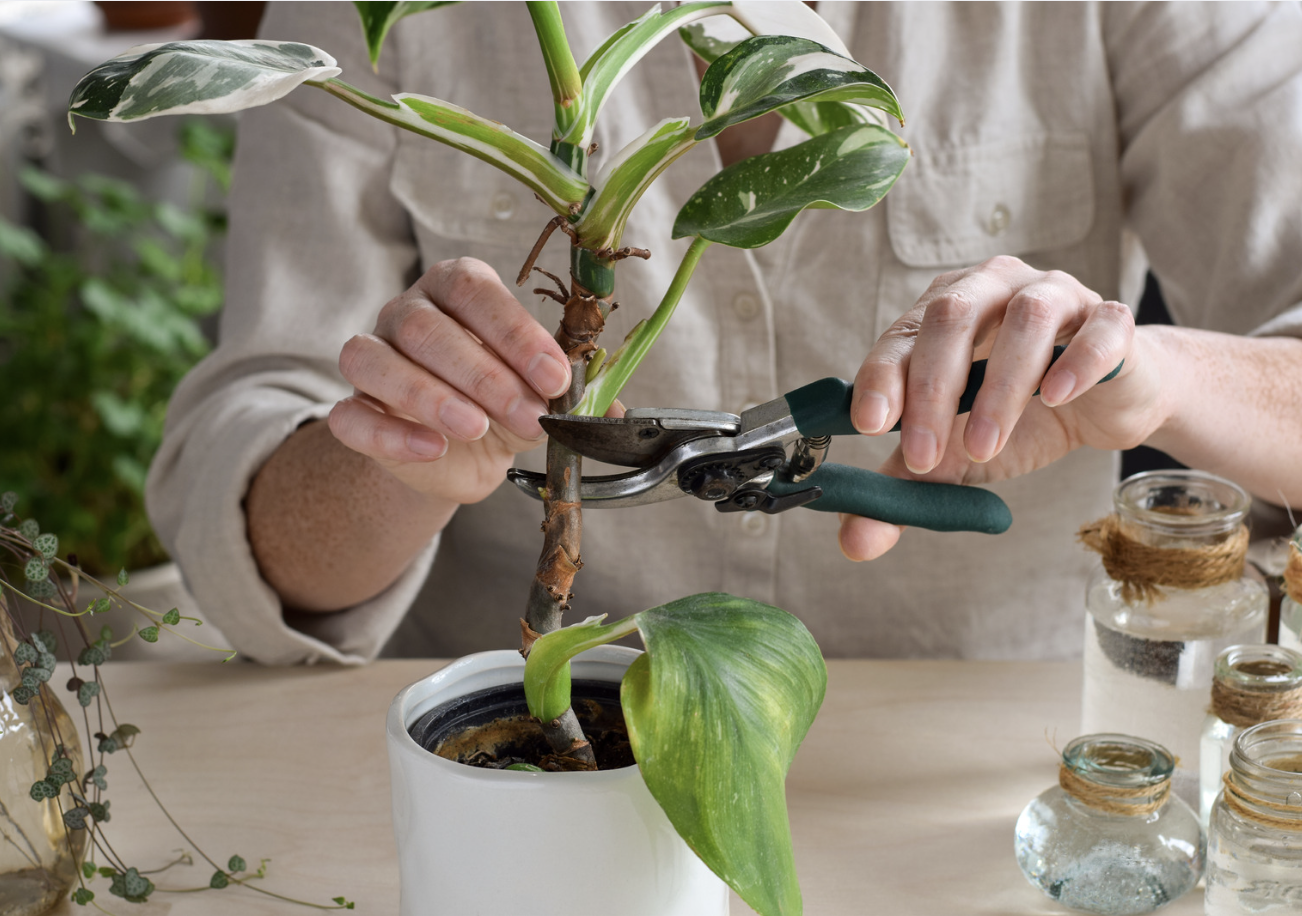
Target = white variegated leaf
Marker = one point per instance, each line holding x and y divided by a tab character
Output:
751	202
627	175
769	72
196	77
787	17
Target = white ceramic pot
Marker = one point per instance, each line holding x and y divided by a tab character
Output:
474	840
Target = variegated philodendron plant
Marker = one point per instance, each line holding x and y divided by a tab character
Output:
724	795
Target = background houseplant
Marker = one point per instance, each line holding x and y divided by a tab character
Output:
850	163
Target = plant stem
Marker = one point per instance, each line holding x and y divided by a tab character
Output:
549	594
562	71
617	371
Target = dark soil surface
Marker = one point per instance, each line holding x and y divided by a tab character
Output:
493	729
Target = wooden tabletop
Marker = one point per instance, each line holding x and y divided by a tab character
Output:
902	798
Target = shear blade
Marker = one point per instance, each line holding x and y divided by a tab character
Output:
641	439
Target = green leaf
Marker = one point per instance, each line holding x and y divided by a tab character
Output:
47	544
87	692
24	654
75	818
88	869
37	569
96	776
29	529
751	203
92	655
100	606
82	896
131	886
34	677
236	864
61	771
172	618
218	880
768	72
603	70
42	790
525	768
196	77
100	811
23	695
8	500
378	18
123	578
149	634
716	709
21	244
626	176
547	669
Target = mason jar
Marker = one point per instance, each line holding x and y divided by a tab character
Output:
1251	685
1111	838
1254	846
1149	652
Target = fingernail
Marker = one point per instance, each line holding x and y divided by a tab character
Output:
522	416
1059	389
426	443
463	419
548	375
919	446
982	439
871	411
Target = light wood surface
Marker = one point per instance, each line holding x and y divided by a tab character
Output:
902	798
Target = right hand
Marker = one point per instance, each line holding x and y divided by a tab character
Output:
450	386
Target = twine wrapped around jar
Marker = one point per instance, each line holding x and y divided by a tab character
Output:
1248	806
1143	569
1293	573
1134	800
1244	707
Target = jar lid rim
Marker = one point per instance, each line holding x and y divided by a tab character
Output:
1119	760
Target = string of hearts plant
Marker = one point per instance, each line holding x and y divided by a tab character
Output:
724	795
74	801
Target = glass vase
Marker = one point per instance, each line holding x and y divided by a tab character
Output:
1254	845
1111	838
39	856
1148	663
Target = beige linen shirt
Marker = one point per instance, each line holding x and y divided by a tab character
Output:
1063	133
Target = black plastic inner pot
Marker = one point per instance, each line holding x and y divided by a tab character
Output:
492	727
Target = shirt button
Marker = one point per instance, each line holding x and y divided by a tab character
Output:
503	205
1000	217
754	524
746	306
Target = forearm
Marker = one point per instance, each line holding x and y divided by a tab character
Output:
1232	407
329	527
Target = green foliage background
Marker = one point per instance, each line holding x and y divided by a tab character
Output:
92	342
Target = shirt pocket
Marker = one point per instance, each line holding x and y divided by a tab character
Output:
461	199
959	206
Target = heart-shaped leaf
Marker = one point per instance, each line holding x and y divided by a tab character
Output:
752	202
196	77
765	73
716	708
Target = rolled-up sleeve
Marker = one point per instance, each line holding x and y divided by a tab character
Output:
316	246
1209	105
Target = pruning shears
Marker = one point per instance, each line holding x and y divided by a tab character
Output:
741	463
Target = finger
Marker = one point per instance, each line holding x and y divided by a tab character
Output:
942	357
878	396
865	538
1102	342
616	410
437	343
1039	313
365	428
472	293
377	369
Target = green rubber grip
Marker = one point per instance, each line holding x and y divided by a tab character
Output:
935	506
822	408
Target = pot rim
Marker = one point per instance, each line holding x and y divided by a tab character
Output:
413	701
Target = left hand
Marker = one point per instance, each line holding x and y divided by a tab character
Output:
1014	315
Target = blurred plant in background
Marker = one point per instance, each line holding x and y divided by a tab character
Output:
94	336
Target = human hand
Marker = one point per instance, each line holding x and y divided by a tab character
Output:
1012	314
450	385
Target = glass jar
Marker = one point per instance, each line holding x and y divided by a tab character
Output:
1148	662
1252	684
1110	837
39	857
1254	845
